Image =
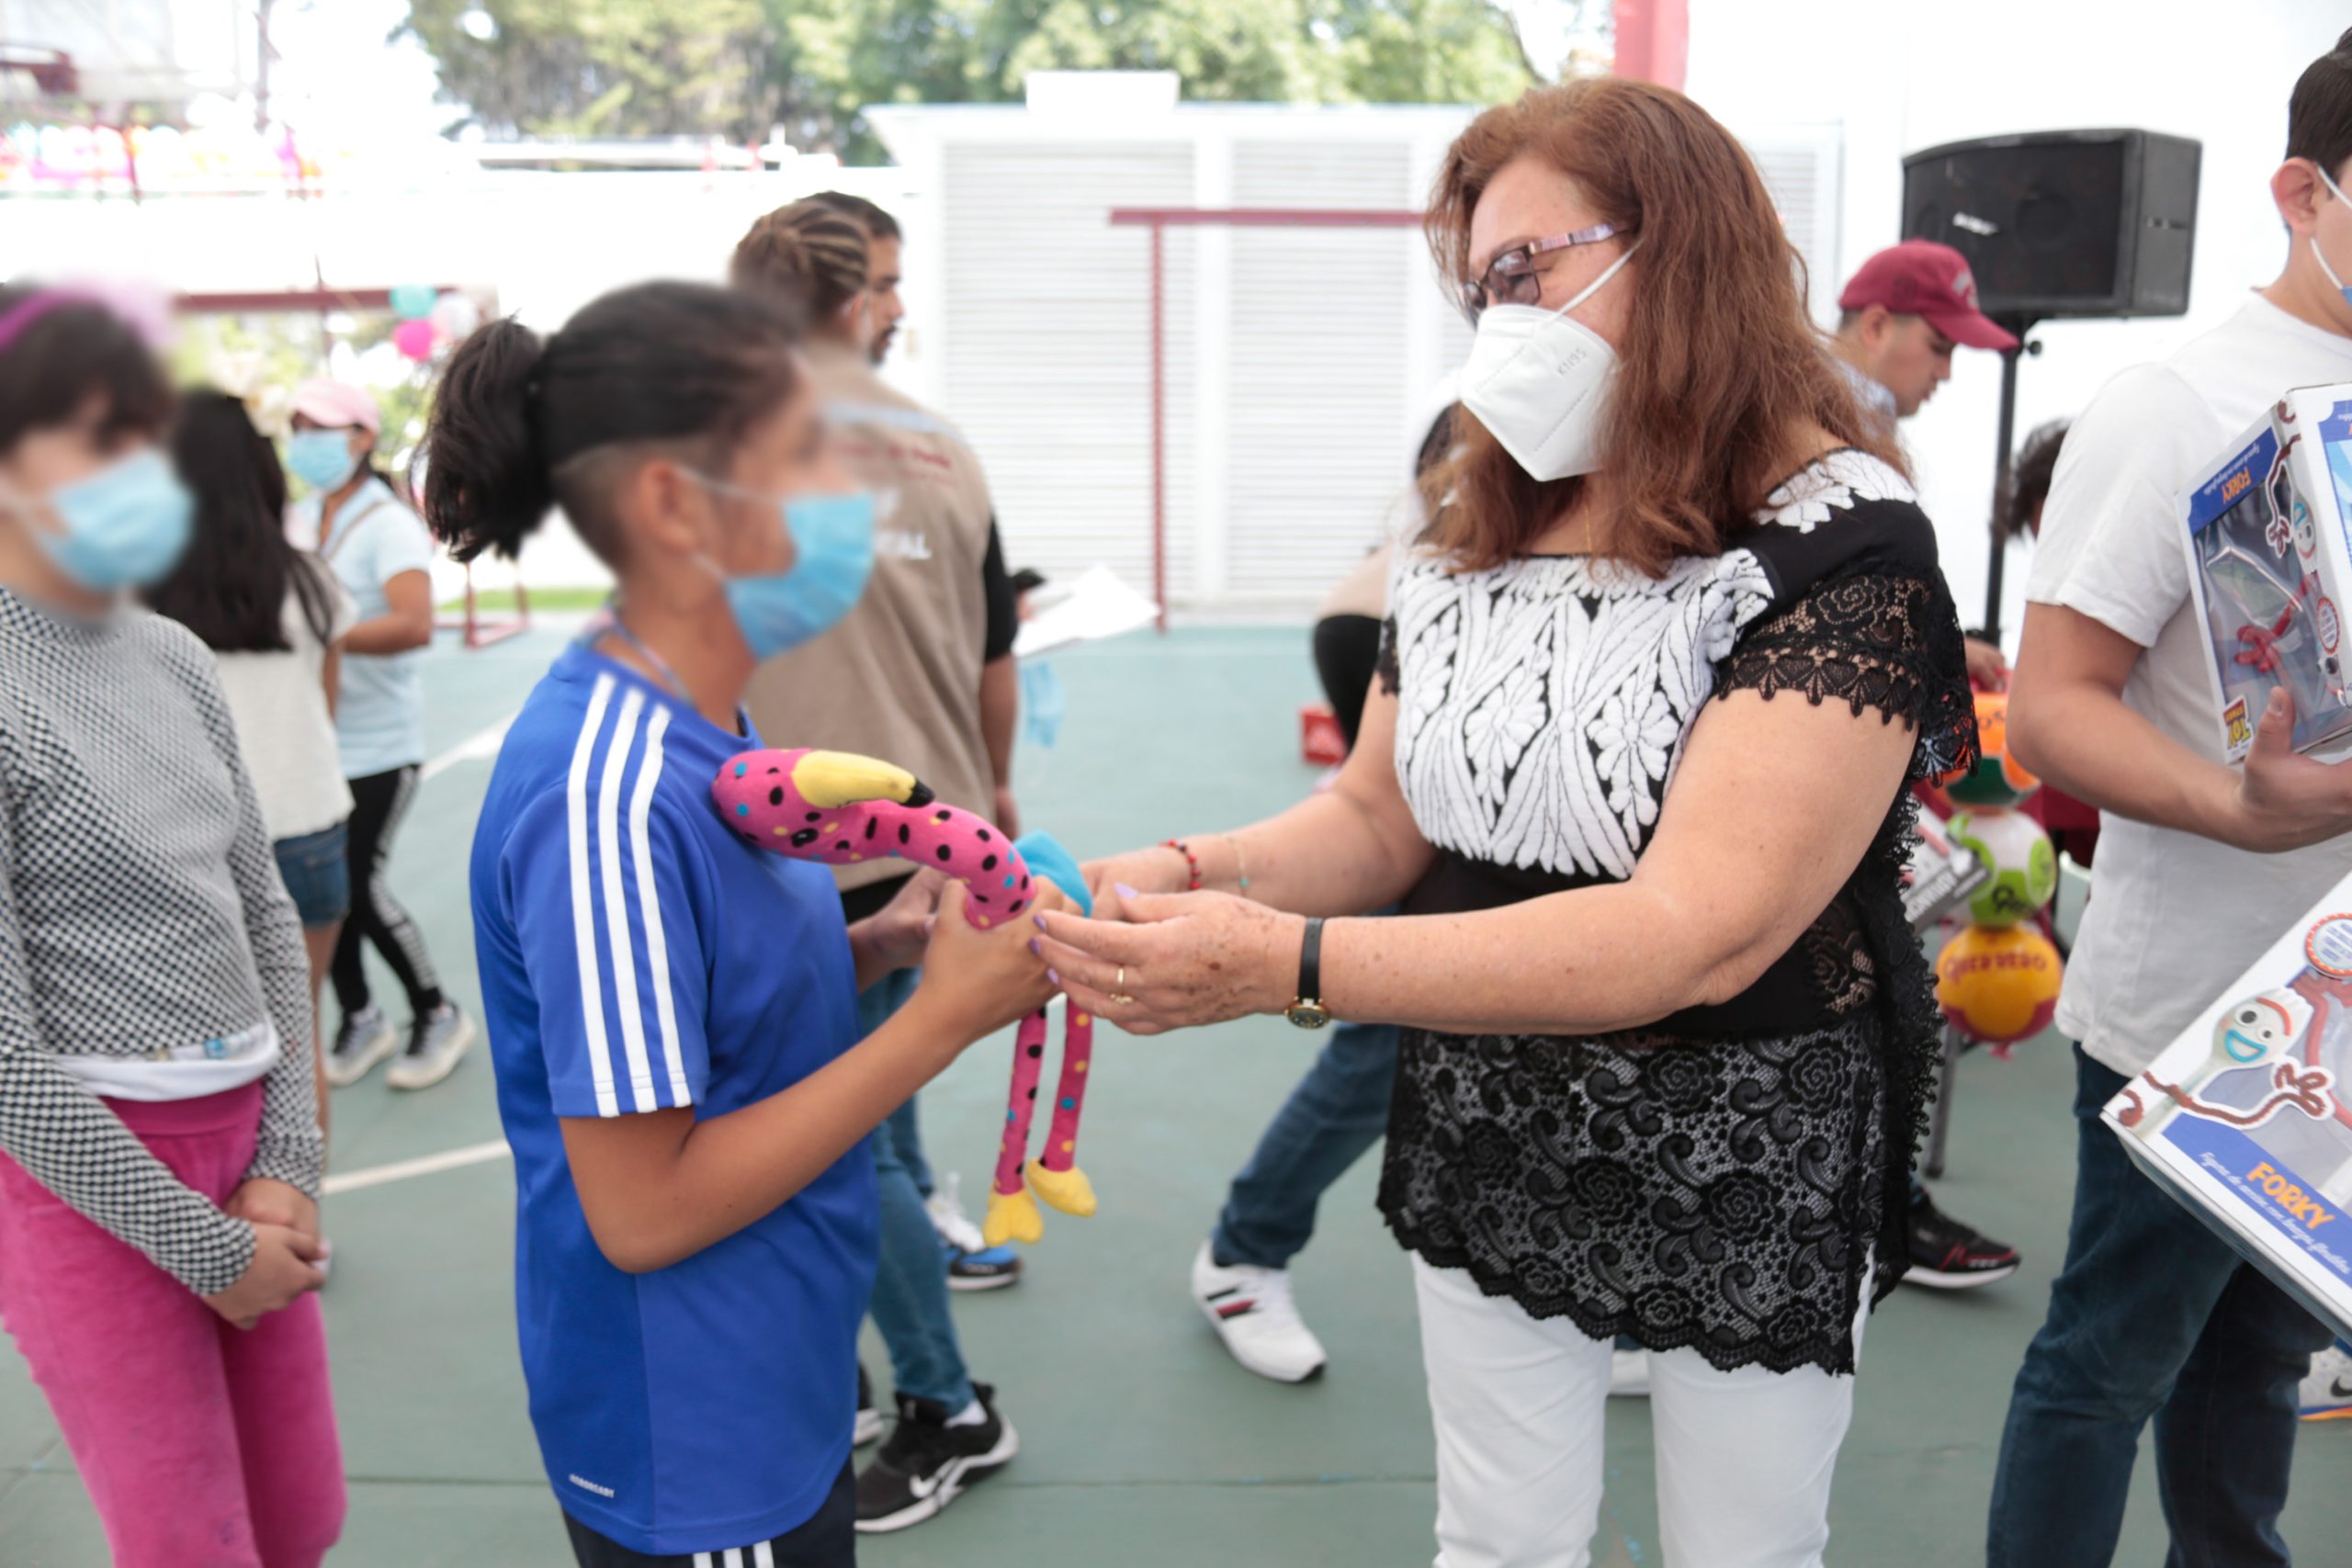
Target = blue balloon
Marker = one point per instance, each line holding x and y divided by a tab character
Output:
414	301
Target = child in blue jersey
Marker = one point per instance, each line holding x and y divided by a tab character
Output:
674	1014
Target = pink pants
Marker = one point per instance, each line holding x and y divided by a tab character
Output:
202	1446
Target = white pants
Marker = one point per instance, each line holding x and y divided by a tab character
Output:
1744	1458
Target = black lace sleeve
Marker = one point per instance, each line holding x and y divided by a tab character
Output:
1385	672
1872	639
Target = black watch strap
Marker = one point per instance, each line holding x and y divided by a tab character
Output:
1310	963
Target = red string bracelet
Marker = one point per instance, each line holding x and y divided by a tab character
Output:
1190	860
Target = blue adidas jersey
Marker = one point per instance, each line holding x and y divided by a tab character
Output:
637	955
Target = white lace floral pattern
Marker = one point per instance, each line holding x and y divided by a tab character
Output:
1832	485
1547	699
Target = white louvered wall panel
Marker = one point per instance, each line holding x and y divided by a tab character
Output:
1321	390
1049	348
1800	165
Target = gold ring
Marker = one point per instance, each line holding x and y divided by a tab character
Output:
1119	988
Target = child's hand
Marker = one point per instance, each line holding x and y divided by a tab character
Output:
986	978
894	937
267	1203
284	1266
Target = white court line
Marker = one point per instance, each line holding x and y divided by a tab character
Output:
400	1170
477	747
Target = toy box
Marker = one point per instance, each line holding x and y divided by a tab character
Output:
2270	562
2244	1120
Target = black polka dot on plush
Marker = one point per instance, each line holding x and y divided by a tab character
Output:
945	814
980	898
903	833
775	796
1013	908
1024	885
1036	1050
803	839
989	864
776	770
813	816
871	824
984	835
1032	1094
947	853
842	846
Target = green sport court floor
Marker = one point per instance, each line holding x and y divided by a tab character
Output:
1142	1444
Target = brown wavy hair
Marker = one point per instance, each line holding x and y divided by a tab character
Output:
1721	367
808	255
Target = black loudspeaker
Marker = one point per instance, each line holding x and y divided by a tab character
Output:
2062	223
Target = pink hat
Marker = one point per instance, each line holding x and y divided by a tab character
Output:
337	405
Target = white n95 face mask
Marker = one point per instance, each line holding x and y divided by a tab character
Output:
1540	383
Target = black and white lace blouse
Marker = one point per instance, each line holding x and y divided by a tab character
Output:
140	914
1718	1179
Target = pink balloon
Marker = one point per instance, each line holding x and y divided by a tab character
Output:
414	339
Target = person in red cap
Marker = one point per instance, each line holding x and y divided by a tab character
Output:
1900	318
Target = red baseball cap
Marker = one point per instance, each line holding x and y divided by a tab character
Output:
1920	277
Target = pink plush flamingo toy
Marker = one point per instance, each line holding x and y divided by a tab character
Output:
840	809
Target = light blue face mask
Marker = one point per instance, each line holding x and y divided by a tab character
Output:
320	458
1043	703
2336	191
832	542
123	526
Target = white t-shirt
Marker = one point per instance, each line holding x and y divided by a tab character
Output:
2174	918
380	719
283	726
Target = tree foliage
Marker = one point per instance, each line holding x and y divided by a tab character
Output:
735	68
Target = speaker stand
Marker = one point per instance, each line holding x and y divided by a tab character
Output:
2018	327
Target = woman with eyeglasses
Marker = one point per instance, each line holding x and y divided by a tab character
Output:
1670	647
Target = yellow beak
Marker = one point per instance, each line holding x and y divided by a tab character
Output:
829	780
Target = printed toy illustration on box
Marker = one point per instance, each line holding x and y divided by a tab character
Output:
2270	540
840	809
2243	1118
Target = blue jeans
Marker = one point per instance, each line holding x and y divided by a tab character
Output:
909	1300
1338	1109
2152	1316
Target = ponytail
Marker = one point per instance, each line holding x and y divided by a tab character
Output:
486	482
666	362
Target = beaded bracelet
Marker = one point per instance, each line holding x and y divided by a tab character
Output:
1190	860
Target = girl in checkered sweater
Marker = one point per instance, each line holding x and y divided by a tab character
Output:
159	1140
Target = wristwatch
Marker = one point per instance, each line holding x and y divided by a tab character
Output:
1307	1010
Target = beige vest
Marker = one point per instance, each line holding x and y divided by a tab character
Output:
899	677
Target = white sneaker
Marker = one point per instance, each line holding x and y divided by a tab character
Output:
436	1042
2326	1393
362	1040
1252	1311
1629	1375
945	1208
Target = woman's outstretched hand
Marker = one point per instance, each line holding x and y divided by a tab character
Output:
1187	958
1111	880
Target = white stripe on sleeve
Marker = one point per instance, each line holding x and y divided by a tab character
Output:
702	1560
763	1555
616	900
584	912
657	944
734	1558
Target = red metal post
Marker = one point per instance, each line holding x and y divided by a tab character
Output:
1158	432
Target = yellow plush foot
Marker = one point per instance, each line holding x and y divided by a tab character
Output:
1067	1191
1012	1216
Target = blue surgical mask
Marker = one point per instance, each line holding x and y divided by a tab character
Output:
833	541
2337	191
123	526
320	458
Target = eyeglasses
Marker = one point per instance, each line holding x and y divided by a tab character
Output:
1512	278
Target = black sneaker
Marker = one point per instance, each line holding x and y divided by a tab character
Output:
927	1463
868	1430
1948	1255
